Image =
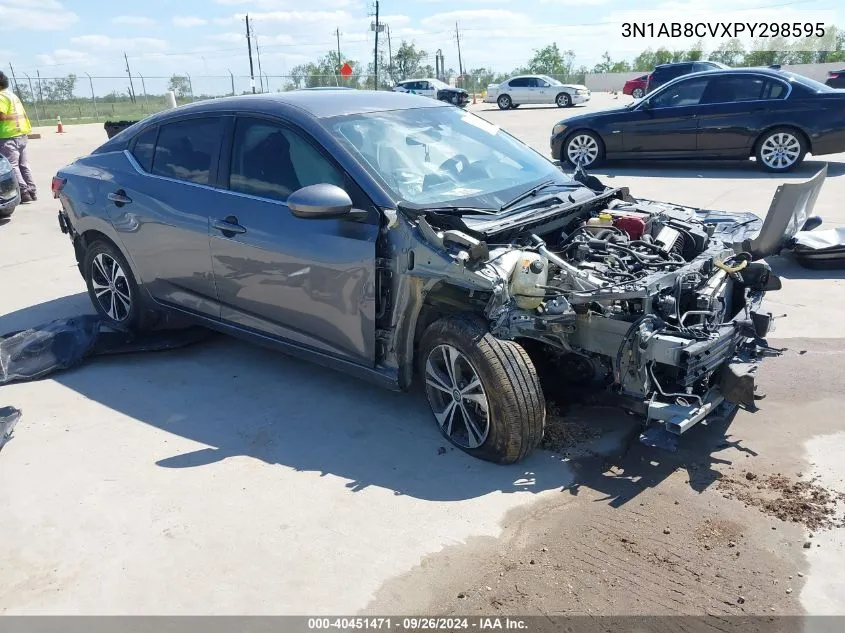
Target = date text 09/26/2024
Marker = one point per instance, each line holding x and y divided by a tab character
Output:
723	29
418	623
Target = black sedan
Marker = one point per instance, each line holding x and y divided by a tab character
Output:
773	115
10	195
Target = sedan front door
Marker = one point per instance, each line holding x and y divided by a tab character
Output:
308	281
666	123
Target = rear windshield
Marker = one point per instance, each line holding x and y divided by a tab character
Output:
812	84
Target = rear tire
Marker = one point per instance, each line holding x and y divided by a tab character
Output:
484	392
781	149
504	102
638	93
112	288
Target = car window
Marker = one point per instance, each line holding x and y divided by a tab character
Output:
775	90
185	150
683	93
423	85
542	83
144	148
731	89
272	161
520	82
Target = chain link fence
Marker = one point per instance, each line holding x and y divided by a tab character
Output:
88	99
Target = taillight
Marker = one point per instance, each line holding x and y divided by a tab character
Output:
832	75
57	185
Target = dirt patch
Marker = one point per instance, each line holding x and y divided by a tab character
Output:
796	501
565	432
718	533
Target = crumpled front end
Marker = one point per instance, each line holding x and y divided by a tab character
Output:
659	305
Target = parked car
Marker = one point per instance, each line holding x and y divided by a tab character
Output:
836	78
636	87
435	89
535	89
775	116
664	73
386	233
10	195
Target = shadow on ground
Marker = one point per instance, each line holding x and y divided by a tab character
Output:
240	400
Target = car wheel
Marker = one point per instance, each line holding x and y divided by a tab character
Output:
456	99
504	102
637	93
583	148
7	213
781	149
484	392
563	100
112	287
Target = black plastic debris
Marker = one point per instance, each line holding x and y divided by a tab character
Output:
64	343
113	127
9	417
820	250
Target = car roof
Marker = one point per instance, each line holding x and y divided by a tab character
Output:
697	61
318	104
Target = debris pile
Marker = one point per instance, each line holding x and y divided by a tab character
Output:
565	433
805	502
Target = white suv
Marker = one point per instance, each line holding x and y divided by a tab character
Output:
535	89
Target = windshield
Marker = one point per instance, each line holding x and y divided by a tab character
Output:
443	156
552	81
439	85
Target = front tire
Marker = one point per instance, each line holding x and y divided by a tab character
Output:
504	102
112	286
781	149
583	148
484	392
563	100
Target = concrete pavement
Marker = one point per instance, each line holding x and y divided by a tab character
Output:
228	479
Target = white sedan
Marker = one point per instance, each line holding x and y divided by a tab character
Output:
535	89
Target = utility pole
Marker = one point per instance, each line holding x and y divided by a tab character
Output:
93	98
258	55
232	77
460	64
339	58
249	50
389	54
375	52
128	72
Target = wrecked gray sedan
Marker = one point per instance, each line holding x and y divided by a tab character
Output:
399	238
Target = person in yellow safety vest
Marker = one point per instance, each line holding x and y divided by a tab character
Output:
14	130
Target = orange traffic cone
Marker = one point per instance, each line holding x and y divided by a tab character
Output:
60	129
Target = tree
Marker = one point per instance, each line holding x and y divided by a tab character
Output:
179	85
551	61
63	88
407	61
607	65
730	53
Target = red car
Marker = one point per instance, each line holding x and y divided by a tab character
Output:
635	87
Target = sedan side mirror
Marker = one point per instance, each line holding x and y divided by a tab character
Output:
646	104
320	201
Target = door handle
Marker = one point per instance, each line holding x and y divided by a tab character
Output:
229	226
119	197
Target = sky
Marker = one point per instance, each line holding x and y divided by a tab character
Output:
207	37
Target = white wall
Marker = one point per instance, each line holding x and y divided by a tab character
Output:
598	82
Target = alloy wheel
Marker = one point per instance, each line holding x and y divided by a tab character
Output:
638	93
780	150
457	397
111	287
563	100
582	149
